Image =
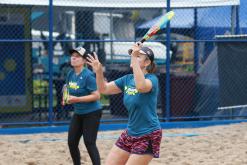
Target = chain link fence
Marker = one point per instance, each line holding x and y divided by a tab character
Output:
197	81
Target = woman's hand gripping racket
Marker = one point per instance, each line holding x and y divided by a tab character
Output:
154	29
65	92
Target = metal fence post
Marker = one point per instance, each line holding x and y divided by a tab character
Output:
196	53
168	92
237	30
50	117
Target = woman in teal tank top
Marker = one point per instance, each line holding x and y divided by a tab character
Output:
140	142
84	96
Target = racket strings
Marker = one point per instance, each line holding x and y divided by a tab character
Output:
65	94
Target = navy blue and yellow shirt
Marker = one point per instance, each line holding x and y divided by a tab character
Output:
83	84
141	107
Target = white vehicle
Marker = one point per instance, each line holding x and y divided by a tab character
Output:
116	52
119	51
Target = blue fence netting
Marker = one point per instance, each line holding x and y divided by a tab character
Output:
193	77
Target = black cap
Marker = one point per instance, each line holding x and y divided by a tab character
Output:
147	51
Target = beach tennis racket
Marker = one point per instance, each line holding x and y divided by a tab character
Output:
65	92
160	24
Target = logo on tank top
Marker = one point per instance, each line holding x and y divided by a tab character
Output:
73	85
130	90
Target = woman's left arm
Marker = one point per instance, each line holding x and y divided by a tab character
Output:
142	85
94	94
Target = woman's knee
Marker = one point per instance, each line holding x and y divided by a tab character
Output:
90	143
117	156
72	143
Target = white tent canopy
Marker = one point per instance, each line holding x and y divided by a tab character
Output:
125	3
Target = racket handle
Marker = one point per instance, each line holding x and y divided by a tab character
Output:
130	50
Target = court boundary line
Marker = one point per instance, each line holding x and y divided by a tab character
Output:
113	127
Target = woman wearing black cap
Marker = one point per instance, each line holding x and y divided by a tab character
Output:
140	142
87	110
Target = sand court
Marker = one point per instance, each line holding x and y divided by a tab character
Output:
213	145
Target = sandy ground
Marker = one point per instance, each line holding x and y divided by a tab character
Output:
217	145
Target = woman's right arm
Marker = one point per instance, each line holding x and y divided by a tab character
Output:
103	86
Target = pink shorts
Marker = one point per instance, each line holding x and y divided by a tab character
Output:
146	144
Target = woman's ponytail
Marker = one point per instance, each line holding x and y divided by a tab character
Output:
151	68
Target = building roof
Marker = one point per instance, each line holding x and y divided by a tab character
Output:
124	3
